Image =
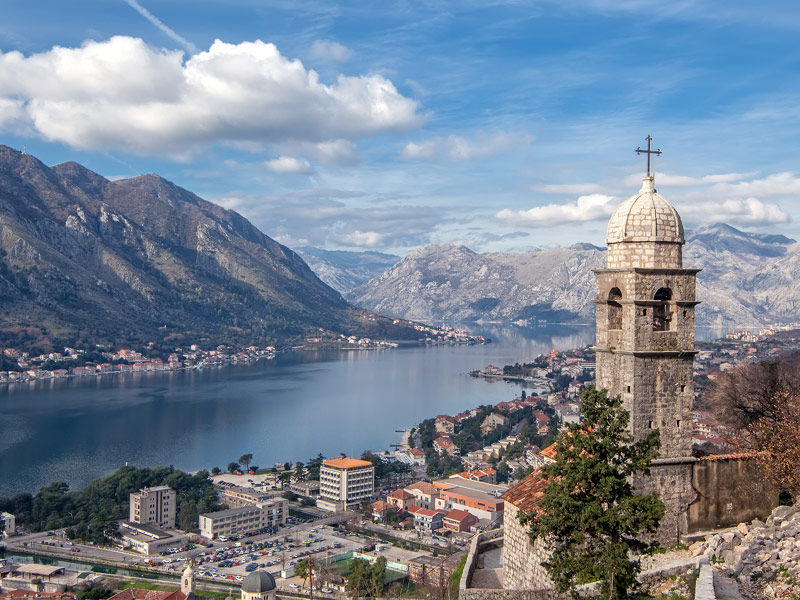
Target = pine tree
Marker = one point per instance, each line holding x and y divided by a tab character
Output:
590	517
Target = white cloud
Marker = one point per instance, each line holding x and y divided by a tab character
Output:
586	208
335	152
779	184
328	50
673	180
748	211
289	164
123	94
361	239
458	148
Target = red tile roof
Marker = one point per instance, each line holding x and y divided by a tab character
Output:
423	487
401	495
528	493
457	515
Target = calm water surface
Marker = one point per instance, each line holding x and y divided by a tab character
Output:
289	408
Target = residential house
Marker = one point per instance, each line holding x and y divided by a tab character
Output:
425	494
401	499
428	520
459	520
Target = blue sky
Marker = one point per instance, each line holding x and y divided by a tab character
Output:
504	125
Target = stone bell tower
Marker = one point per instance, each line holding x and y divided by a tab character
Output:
645	340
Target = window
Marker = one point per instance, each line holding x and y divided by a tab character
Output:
614	309
662	317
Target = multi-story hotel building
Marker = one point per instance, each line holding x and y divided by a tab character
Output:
153	506
344	482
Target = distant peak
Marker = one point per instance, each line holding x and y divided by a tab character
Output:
585	246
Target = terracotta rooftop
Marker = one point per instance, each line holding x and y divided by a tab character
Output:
527	494
401	494
549	452
347	463
457	515
423	487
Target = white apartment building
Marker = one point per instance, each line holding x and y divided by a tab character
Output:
8	524
153	506
244	519
344	482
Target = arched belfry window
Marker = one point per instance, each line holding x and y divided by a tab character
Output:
662	317
614	309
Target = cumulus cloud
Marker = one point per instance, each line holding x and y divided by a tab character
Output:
328	50
586	208
289	164
747	211
457	148
123	94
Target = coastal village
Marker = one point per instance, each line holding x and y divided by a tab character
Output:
51	365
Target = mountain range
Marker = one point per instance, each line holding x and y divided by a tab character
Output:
344	270
83	258
747	279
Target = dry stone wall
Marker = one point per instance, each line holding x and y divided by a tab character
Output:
763	556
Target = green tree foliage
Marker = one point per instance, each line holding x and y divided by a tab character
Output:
246	459
590	516
301	569
313	466
233	467
365	579
92	513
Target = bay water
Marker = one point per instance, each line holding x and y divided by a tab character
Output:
286	409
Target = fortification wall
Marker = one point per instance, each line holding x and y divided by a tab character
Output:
730	490
522	568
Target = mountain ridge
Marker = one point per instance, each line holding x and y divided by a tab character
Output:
86	258
747	279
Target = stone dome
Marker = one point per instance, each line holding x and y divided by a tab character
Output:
258	582
188	571
645	217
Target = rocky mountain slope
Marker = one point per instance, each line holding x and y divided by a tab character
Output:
343	270
85	258
747	280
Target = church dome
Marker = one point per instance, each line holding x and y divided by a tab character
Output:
645	217
188	571
258	582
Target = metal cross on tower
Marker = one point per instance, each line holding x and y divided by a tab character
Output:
648	152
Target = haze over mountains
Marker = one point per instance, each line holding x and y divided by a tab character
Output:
85	258
747	280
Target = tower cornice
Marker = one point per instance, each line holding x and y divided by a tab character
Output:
648	271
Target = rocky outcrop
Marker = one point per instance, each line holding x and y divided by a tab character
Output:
763	556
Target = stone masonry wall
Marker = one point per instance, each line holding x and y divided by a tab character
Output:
522	568
729	491
673	483
644	254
